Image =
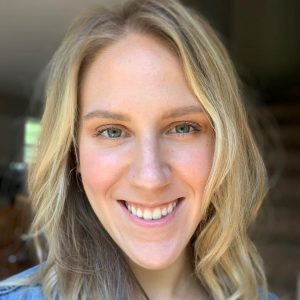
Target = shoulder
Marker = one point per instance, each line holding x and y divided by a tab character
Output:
9	290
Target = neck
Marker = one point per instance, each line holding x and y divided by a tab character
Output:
176	281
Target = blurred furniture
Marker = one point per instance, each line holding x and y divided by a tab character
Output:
15	253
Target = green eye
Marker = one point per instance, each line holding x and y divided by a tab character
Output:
114	132
111	132
183	128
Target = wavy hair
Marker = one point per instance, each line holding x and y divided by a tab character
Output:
82	261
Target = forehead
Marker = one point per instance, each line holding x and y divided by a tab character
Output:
148	50
137	69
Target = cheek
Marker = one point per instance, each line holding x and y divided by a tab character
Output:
194	164
99	169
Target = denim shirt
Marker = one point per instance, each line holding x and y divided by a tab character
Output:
10	292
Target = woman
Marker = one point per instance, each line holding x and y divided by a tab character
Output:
147	176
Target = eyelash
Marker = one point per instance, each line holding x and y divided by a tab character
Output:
195	129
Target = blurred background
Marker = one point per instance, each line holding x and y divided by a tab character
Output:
263	38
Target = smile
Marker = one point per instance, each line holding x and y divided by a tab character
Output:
156	213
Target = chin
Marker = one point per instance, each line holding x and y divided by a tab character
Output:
151	258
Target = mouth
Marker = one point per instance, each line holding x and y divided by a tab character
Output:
155	213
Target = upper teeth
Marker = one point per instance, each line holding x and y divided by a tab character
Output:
151	214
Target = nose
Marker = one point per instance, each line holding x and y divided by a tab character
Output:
148	169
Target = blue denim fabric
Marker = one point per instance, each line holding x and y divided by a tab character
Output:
270	297
10	292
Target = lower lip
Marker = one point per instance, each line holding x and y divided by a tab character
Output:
152	223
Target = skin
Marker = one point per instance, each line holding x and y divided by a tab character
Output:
147	158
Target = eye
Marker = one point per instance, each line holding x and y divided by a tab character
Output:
111	133
185	128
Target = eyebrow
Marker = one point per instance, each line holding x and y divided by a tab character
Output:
177	112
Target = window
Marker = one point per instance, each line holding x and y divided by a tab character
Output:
32	131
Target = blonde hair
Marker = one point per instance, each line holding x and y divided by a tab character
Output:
82	261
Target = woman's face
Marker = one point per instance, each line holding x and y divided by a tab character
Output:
145	149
